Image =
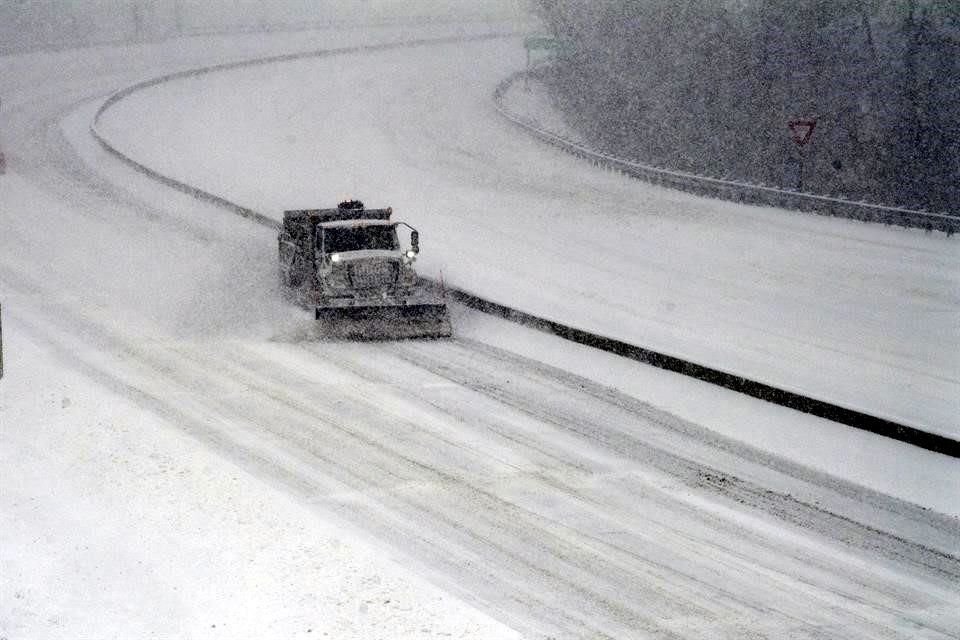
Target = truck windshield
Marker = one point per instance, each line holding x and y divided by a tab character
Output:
337	239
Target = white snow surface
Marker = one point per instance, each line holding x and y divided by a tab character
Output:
179	459
861	315
116	524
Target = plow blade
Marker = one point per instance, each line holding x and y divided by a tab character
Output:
385	323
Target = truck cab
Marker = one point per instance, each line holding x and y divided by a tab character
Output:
357	259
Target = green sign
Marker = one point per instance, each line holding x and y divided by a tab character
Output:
540	42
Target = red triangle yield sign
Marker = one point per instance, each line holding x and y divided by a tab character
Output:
801	130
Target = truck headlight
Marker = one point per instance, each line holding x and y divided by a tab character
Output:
335	257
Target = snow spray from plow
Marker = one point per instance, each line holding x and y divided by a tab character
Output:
843	415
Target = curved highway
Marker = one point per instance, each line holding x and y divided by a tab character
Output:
551	502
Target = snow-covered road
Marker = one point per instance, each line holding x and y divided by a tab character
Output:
864	316
179	460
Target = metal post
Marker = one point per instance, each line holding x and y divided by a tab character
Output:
800	179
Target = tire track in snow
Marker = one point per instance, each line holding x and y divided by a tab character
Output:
484	376
435	477
663	576
375	471
338	354
200	403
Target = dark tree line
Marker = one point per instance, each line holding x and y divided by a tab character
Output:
708	87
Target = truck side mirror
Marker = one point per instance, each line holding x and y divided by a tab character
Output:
415	241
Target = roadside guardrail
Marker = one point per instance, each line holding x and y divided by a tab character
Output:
725	189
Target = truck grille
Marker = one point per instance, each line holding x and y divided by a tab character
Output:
375	273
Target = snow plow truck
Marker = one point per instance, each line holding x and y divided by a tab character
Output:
348	265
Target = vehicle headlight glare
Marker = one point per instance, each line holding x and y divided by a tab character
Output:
335	257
